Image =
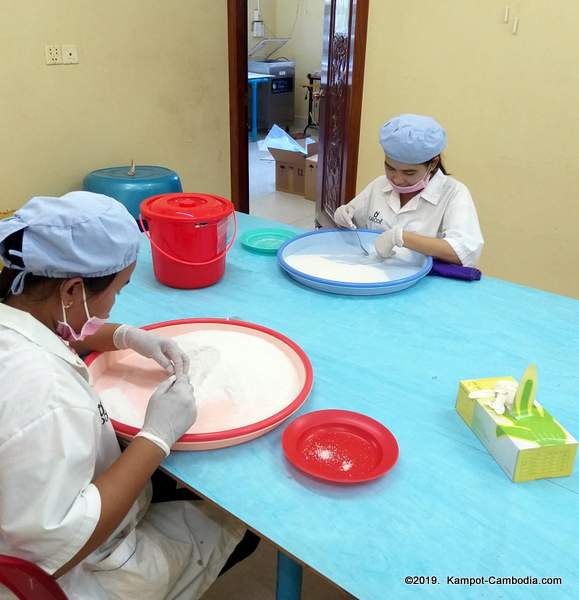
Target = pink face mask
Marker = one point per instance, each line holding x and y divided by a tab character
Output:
68	334
409	189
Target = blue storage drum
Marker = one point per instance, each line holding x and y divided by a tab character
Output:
130	185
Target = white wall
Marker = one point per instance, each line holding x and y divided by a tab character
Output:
151	85
509	104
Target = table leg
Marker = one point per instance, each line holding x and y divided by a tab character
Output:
289	578
253	111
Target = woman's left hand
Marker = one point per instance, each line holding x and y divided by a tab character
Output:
387	241
163	350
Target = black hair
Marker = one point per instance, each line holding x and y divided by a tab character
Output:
440	164
41	287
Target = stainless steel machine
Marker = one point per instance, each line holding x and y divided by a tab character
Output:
275	99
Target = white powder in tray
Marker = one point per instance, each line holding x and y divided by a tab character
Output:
347	268
239	378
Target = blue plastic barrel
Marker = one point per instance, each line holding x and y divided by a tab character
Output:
132	189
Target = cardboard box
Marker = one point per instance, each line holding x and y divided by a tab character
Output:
527	446
311	178
290	168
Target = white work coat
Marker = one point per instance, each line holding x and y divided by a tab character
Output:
55	439
443	209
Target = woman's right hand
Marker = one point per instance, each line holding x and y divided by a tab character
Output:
344	215
171	411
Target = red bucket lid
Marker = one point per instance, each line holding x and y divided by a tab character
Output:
192	208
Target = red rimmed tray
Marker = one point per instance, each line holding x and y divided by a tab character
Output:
271	375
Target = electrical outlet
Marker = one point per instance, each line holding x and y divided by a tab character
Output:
69	54
52	54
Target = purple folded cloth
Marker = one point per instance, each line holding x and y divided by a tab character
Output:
444	269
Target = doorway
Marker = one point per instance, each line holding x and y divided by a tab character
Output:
301	34
285	40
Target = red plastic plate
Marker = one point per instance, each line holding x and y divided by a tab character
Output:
340	446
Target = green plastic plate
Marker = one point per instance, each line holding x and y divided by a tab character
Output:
266	241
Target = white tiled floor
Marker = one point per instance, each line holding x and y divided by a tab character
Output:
265	202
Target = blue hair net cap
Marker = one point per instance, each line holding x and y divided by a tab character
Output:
80	234
412	139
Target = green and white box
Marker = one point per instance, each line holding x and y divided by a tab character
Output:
526	441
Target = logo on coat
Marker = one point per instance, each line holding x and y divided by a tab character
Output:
103	413
375	218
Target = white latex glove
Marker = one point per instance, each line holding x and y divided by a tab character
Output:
505	392
344	215
163	350
387	241
172	409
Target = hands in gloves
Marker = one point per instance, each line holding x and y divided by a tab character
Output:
344	215
164	350
172	409
387	241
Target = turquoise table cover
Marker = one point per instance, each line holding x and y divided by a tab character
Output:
446	509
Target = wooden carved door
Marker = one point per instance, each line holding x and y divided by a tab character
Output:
345	24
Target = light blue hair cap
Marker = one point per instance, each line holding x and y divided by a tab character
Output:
80	234
412	139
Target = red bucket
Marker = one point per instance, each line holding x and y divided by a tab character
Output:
188	235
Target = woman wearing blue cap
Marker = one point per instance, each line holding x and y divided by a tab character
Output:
69	500
416	204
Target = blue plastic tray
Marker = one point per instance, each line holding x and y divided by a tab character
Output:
400	272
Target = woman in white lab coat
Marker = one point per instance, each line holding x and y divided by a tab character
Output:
69	500
416	204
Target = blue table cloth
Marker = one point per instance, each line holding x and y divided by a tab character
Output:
446	509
